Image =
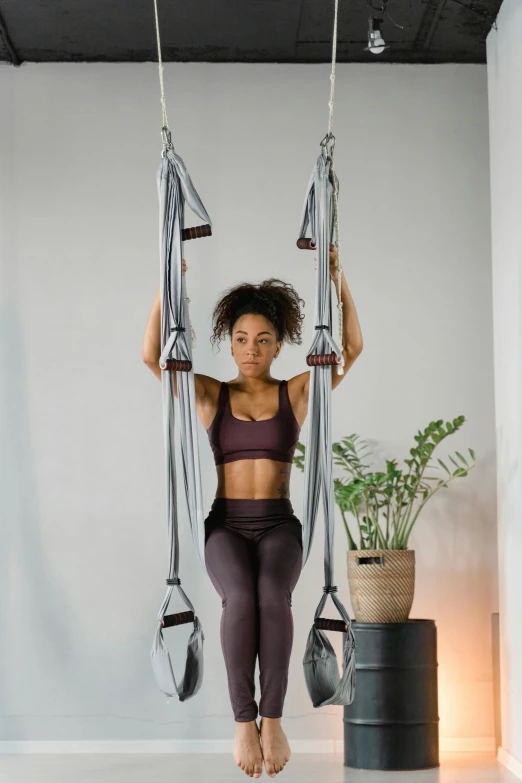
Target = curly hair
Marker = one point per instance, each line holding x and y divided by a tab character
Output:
276	300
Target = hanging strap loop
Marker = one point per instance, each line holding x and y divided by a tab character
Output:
326	685
175	187
329	139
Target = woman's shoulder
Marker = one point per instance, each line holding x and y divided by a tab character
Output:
298	384
207	388
298	395
207	397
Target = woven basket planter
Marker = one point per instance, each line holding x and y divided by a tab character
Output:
382	583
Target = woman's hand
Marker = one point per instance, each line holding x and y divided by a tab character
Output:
333	262
184	266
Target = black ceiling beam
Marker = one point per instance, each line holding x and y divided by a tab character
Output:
8	43
434	23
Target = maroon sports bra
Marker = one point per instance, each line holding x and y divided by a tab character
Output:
232	439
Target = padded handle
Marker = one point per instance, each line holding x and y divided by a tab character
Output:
177	619
305	243
196	232
181	365
330	625
316	360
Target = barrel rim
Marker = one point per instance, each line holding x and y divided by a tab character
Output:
392	626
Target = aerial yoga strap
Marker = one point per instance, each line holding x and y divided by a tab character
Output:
320	212
174	189
325	685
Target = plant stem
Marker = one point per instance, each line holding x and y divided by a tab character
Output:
409	508
445	484
351	542
361	537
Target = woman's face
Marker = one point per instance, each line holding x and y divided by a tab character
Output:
254	343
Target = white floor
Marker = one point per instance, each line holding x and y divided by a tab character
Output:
220	768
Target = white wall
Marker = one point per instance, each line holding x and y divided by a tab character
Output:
505	113
84	555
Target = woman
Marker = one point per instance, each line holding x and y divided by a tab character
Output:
253	548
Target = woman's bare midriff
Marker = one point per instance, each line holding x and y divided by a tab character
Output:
254	479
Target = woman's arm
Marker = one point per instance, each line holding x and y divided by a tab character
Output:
206	388
352	335
151	346
299	385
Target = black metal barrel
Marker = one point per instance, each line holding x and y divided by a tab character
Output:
393	722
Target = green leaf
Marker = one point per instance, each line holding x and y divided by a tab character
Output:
472	454
459	455
444	466
460	472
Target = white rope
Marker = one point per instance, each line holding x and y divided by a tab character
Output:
335	184
160	69
340	367
332	75
192	332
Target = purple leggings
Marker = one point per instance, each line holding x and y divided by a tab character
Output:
253	554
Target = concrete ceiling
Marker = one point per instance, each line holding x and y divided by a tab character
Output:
297	31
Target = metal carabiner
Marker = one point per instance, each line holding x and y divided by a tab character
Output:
167	140
329	138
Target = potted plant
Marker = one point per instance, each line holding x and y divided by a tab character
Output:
385	506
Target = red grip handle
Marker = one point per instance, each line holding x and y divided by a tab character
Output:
320	360
177	619
196	232
305	243
182	365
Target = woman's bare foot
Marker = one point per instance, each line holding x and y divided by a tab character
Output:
247	749
276	750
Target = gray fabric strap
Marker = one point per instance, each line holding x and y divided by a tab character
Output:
174	189
325	685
